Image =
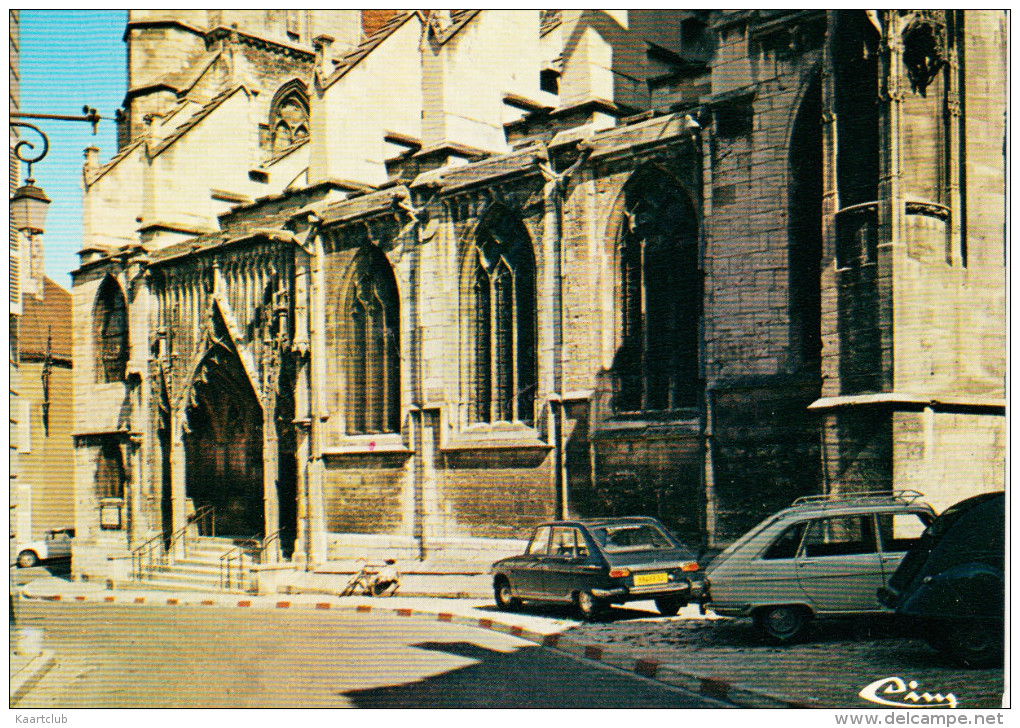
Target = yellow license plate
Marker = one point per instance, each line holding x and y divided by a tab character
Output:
648	579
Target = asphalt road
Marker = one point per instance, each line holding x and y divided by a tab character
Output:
175	657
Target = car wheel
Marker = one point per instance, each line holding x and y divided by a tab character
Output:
971	645
781	624
27	559
505	598
589	606
669	606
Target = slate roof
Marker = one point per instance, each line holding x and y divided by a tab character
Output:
177	133
349	61
451	178
116	158
185	79
458	19
345	210
206	243
214	103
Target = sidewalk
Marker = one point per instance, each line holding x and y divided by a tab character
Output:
551	629
26	669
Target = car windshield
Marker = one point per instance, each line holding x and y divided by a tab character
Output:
632	537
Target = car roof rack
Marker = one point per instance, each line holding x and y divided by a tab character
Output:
906	497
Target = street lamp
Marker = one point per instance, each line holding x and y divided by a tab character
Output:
29	203
28	208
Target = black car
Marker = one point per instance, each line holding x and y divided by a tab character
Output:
598	562
951	585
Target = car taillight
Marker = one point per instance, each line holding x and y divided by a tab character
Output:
690	566
619	573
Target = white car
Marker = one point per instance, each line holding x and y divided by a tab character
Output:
825	556
56	544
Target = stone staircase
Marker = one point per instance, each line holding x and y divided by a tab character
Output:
200	570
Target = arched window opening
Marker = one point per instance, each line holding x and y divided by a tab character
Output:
660	298
805	250
373	346
111	333
288	118
502	322
110	473
855	59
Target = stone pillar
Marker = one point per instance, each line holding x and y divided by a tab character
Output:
178	467
317	542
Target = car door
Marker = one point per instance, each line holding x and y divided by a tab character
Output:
898	533
773	575
564	567
839	566
59	546
526	578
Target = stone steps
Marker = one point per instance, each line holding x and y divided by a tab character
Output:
200	570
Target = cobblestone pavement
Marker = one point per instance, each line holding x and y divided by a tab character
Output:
713	656
830	665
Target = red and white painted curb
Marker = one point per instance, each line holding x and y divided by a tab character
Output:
705	685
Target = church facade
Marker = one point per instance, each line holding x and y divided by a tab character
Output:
371	283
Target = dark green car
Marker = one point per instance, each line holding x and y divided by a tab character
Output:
598	562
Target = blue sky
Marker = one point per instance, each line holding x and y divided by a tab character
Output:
70	58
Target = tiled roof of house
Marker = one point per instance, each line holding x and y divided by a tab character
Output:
46	318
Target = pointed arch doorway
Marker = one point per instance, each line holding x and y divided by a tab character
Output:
223	446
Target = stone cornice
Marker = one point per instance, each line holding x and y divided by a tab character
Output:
909	401
255	41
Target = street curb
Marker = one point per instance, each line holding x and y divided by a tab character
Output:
26	679
708	686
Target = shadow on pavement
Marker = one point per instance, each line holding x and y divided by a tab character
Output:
566	611
60	568
528	677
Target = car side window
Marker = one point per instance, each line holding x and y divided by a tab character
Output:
900	531
840	536
785	547
539	542
582	545
564	542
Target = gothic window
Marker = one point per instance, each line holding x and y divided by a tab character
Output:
111	333
288	118
660	297
855	59
110	474
501	321
373	346
805	229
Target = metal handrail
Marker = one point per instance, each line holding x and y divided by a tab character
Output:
906	496
139	553
271	538
251	545
238	552
206	514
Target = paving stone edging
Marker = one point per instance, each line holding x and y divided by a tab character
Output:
669	674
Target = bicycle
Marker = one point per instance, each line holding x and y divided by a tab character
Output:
373	580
